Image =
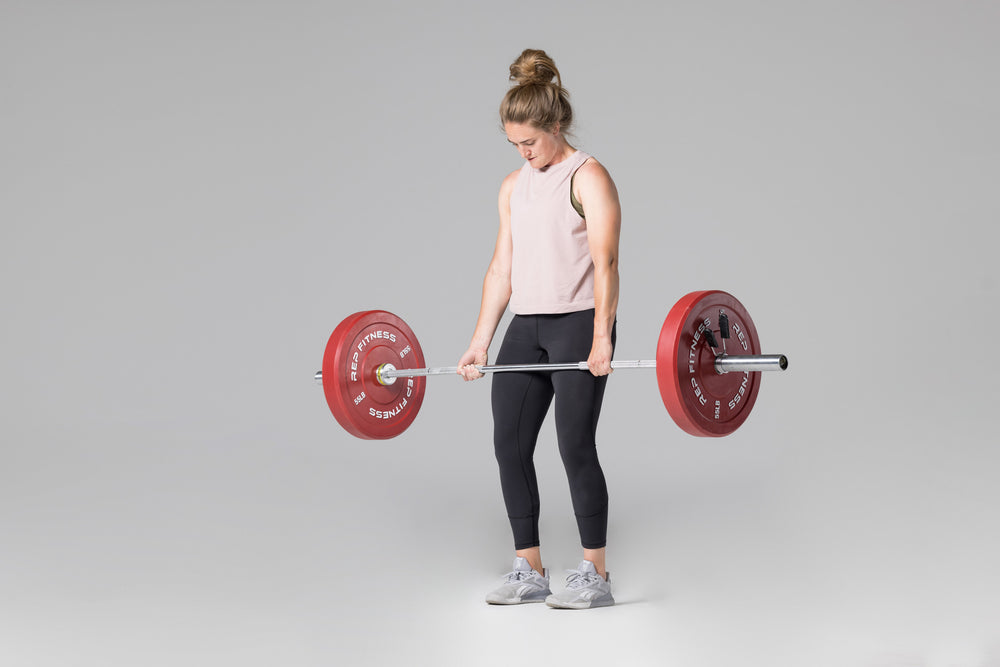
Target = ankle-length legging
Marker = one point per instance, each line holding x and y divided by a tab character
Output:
520	403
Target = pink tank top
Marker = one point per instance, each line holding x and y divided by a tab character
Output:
552	271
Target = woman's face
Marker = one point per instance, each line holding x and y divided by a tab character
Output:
540	148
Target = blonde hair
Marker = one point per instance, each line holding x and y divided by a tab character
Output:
538	98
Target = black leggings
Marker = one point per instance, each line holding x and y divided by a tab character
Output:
520	402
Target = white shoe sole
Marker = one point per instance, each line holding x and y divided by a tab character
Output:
559	604
514	601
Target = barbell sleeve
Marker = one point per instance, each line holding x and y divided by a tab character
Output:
739	363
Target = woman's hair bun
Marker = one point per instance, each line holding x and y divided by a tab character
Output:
538	97
534	67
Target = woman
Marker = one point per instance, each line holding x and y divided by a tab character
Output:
556	265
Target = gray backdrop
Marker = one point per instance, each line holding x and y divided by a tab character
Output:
195	193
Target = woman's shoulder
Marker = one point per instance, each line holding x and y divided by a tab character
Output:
507	186
590	164
591	172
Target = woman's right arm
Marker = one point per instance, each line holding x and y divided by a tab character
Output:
496	289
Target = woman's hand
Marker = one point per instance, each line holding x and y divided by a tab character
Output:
599	361
467	364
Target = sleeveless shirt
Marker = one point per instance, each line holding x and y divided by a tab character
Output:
552	271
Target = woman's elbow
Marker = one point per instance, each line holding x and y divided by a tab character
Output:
606	263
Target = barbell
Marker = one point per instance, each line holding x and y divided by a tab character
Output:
707	388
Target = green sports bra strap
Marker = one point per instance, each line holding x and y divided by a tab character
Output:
577	206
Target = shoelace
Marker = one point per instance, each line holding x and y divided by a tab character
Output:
517	575
578	579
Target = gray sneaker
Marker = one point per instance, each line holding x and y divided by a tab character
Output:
520	586
584	589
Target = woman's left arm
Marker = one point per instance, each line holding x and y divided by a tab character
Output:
597	193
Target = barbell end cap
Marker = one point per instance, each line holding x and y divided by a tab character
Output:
783	362
383	379
318	378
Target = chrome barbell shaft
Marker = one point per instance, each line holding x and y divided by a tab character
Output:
753	363
511	368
